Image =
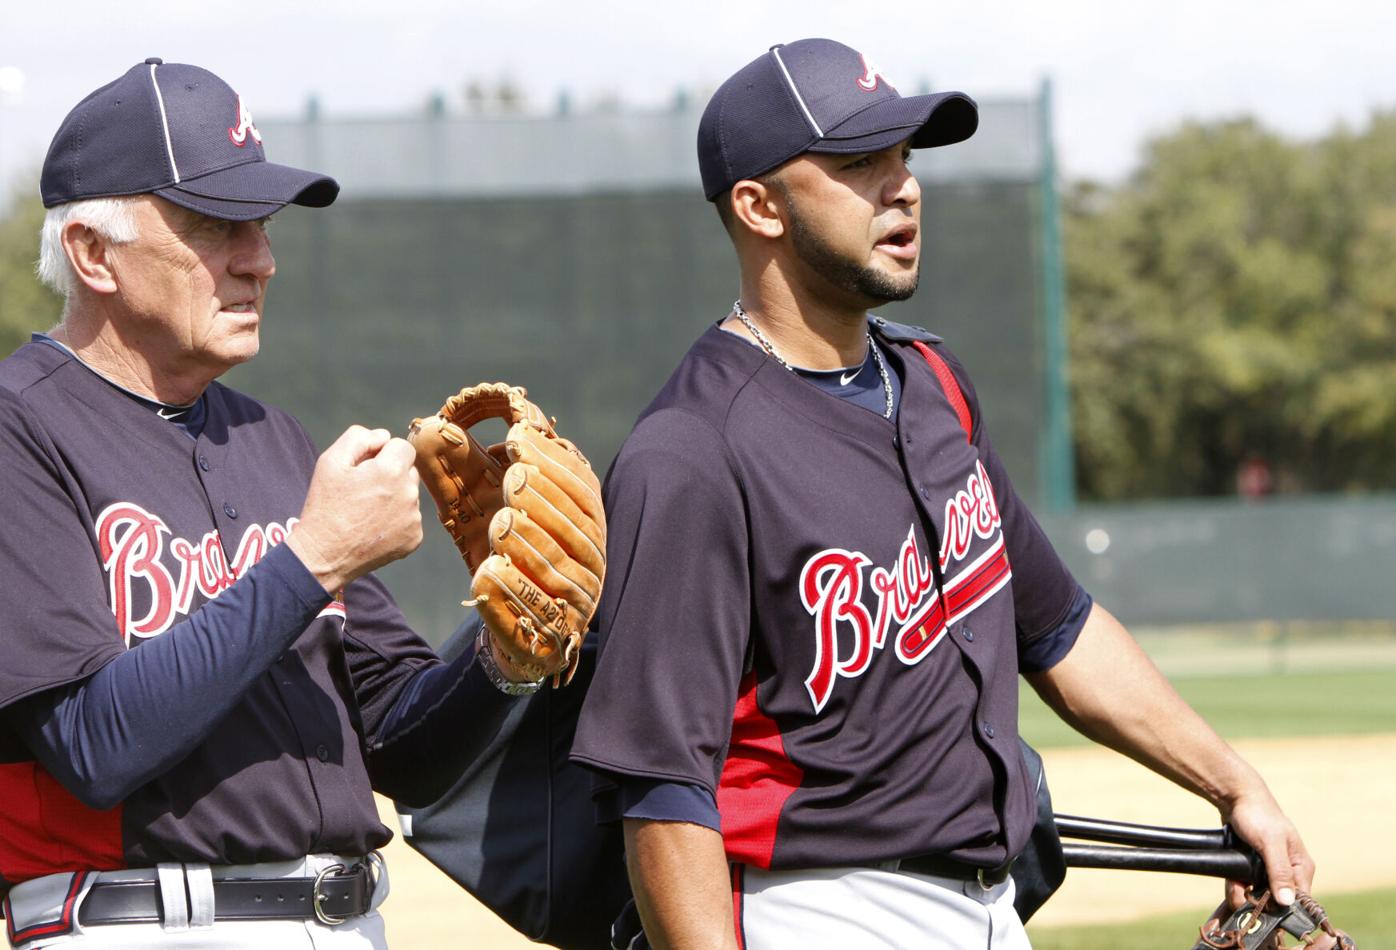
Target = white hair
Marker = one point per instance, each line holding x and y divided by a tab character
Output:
112	218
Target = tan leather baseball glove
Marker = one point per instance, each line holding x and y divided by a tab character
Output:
526	516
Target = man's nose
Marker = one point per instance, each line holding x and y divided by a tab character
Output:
903	189
253	253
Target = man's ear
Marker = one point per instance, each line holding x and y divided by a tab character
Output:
757	208
90	255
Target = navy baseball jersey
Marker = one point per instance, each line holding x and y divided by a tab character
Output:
819	614
119	527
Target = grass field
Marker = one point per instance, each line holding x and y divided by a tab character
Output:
1251	683
1356	702
1368	917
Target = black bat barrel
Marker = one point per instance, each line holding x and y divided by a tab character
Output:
1145	836
1225	863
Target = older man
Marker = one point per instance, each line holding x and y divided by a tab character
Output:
824	586
213	787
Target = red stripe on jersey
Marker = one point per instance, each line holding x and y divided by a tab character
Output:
737	895
966	589
965	592
922	632
948	383
756	780
44	829
986	583
63	925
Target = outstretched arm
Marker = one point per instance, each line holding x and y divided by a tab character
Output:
1109	690
440	719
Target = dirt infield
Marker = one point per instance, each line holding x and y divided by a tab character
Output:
1336	789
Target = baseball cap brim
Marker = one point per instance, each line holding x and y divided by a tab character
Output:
941	118
251	190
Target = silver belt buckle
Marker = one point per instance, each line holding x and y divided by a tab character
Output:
318	899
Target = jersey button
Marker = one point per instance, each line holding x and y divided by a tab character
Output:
229	510
322	752
925	493
989	729
203	463
969	634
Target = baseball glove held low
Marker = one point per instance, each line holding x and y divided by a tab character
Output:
526	516
1261	924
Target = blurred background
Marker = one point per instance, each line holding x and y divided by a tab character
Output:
1168	258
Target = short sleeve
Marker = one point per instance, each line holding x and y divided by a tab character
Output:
674	618
55	623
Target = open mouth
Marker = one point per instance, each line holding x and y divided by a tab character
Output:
902	237
899	242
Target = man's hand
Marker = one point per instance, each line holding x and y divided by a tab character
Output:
362	510
1257	818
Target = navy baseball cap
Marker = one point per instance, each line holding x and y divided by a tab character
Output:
816	96
181	133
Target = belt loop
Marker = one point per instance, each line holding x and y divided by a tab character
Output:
379	869
173	903
199	878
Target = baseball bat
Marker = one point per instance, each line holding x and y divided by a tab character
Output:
1209	852
1228	864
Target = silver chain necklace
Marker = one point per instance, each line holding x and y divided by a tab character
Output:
769	348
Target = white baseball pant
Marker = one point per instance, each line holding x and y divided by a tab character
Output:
868	908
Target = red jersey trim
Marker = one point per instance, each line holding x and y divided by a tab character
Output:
44	829
950	385
757	780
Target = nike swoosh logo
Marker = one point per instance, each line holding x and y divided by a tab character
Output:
845	380
167	414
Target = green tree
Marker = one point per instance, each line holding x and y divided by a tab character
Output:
1237	298
25	304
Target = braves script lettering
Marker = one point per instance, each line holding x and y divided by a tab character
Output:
238	134
831	589
132	542
971	512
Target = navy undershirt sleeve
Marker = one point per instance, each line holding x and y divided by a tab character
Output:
1048	649
454	701
95	735
657	800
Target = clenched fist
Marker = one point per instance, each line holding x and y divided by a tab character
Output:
361	510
